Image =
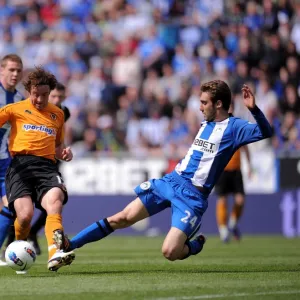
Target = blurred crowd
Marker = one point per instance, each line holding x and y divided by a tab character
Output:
133	68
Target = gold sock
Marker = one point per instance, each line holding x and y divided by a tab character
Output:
21	232
221	213
53	222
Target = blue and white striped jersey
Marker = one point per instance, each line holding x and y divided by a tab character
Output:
6	97
216	143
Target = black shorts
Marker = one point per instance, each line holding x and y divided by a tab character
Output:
230	182
33	176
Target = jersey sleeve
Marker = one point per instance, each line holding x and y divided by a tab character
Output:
246	132
5	114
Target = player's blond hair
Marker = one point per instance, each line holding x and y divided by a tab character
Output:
10	57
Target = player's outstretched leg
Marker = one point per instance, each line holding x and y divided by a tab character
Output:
133	212
95	232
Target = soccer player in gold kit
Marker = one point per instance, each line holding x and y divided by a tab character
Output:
35	143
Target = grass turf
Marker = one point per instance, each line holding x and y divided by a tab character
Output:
118	267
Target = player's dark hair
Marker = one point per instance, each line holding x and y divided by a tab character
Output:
10	57
218	90
39	76
60	87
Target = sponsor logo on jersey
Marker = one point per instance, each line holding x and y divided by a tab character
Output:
205	146
28	111
41	128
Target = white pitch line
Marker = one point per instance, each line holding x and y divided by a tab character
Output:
229	295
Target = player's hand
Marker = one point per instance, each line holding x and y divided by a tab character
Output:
67	154
249	99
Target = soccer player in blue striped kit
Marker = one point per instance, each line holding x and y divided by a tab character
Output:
187	188
11	67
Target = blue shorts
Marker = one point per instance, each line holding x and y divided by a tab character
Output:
4	164
187	203
2	188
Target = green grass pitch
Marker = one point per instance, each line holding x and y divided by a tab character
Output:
263	267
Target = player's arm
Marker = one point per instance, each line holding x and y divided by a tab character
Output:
246	132
5	114
61	151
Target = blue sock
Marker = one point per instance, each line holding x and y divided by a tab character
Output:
6	220
194	246
92	233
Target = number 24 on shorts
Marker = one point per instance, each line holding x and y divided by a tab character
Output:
188	219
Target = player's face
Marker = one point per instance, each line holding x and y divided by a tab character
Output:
39	96
207	107
11	74
57	97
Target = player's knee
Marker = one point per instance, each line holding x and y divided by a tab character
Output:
54	207
239	199
25	217
57	203
170	253
222	200
53	200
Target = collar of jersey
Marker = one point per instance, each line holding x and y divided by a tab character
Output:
6	91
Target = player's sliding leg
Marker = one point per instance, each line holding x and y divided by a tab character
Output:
177	246
35	228
221	214
182	240
236	214
95	232
52	202
146	204
132	213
